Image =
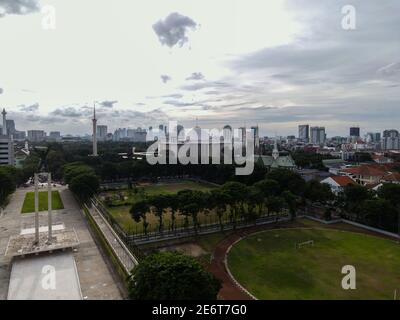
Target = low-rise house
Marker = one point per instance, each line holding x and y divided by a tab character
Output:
364	174
337	183
381	159
372	174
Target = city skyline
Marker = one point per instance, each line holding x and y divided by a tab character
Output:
276	65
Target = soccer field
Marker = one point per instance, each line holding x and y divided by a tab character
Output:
269	265
29	201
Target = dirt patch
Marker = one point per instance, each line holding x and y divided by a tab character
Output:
189	249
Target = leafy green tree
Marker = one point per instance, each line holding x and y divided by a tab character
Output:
352	196
85	186
185	198
390	192
172	276
171	202
7	183
109	171
378	212
218	200
198	204
318	192
292	202
55	162
158	204
288	180
268	187
275	204
74	169
254	198
237	194
355	193
139	212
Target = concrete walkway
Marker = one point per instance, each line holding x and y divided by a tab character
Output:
96	278
122	252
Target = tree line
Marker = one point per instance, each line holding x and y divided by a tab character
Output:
281	189
380	209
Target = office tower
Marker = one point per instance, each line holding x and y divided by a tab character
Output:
101	132
256	136
6	144
55	136
374	137
355	132
318	135
10	126
304	132
36	135
390	140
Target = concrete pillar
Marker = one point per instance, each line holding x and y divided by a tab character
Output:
36	209
49	207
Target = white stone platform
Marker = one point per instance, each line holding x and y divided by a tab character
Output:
23	244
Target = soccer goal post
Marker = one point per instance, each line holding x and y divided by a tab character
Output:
308	243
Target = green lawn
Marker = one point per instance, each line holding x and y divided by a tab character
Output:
29	202
122	201
268	265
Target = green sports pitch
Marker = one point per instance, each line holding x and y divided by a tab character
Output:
29	201
270	264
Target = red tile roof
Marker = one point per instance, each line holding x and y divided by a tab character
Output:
392	177
366	170
343	180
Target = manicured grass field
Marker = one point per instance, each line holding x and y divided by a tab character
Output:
29	201
120	208
268	265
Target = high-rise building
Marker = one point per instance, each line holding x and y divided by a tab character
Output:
19	135
355	132
10	126
318	135
6	144
391	140
374	137
256	136
36	135
304	133
102	132
55	136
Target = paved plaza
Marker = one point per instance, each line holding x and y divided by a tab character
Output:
96	278
45	277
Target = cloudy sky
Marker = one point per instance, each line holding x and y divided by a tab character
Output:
274	63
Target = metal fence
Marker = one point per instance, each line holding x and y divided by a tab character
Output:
180	229
133	248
